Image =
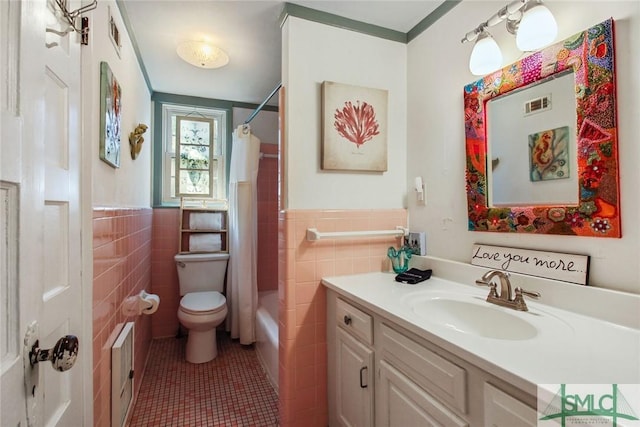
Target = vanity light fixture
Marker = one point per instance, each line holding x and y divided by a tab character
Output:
529	20
537	29
486	55
202	54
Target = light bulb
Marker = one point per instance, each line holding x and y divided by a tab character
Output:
537	29
485	56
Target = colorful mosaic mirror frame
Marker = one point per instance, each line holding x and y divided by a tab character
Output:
590	54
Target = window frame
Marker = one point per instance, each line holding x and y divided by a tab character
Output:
159	162
162	180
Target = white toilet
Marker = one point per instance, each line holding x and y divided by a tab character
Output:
202	307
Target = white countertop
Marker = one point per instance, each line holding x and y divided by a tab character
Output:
569	348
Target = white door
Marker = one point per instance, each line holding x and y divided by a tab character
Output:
41	216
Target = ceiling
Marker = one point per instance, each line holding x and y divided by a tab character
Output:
249	31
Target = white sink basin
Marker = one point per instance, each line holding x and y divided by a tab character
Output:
476	317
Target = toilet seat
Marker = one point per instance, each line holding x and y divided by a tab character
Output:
208	302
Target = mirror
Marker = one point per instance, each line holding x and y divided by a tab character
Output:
534	130
558	174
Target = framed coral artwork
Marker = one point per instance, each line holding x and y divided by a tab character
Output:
354	128
110	116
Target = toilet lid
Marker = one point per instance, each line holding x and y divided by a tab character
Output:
203	302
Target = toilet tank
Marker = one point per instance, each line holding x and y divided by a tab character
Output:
201	272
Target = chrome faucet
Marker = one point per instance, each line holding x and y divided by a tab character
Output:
504	298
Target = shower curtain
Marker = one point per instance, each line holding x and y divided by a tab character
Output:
242	281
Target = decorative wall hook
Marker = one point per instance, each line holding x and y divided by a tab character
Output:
70	17
136	140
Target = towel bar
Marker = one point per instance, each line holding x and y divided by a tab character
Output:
313	234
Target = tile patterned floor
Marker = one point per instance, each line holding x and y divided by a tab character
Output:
231	390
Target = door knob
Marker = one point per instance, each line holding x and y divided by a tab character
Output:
62	356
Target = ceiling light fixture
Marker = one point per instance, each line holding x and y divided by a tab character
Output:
202	54
529	20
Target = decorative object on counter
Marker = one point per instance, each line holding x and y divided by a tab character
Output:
590	56
110	116
399	258
136	139
354	128
551	265
413	276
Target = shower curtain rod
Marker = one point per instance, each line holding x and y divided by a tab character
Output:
257	110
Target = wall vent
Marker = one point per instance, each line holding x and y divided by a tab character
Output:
122	375
537	105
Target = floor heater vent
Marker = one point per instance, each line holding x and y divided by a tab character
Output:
122	375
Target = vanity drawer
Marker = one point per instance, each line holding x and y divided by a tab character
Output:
430	371
354	320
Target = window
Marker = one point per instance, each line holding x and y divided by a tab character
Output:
197	137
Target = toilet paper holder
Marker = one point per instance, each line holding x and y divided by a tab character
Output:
143	303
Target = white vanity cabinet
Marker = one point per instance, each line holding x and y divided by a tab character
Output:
380	374
502	410
353	364
354	381
413	381
401	402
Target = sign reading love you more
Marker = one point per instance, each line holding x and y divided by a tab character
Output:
551	265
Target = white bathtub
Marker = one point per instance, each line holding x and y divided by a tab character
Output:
267	334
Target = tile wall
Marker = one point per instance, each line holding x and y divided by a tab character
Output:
164	275
121	268
268	219
302	326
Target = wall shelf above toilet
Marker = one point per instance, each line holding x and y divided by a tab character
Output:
203	226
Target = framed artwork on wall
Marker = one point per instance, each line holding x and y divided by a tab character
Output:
549	154
110	116
354	128
114	33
